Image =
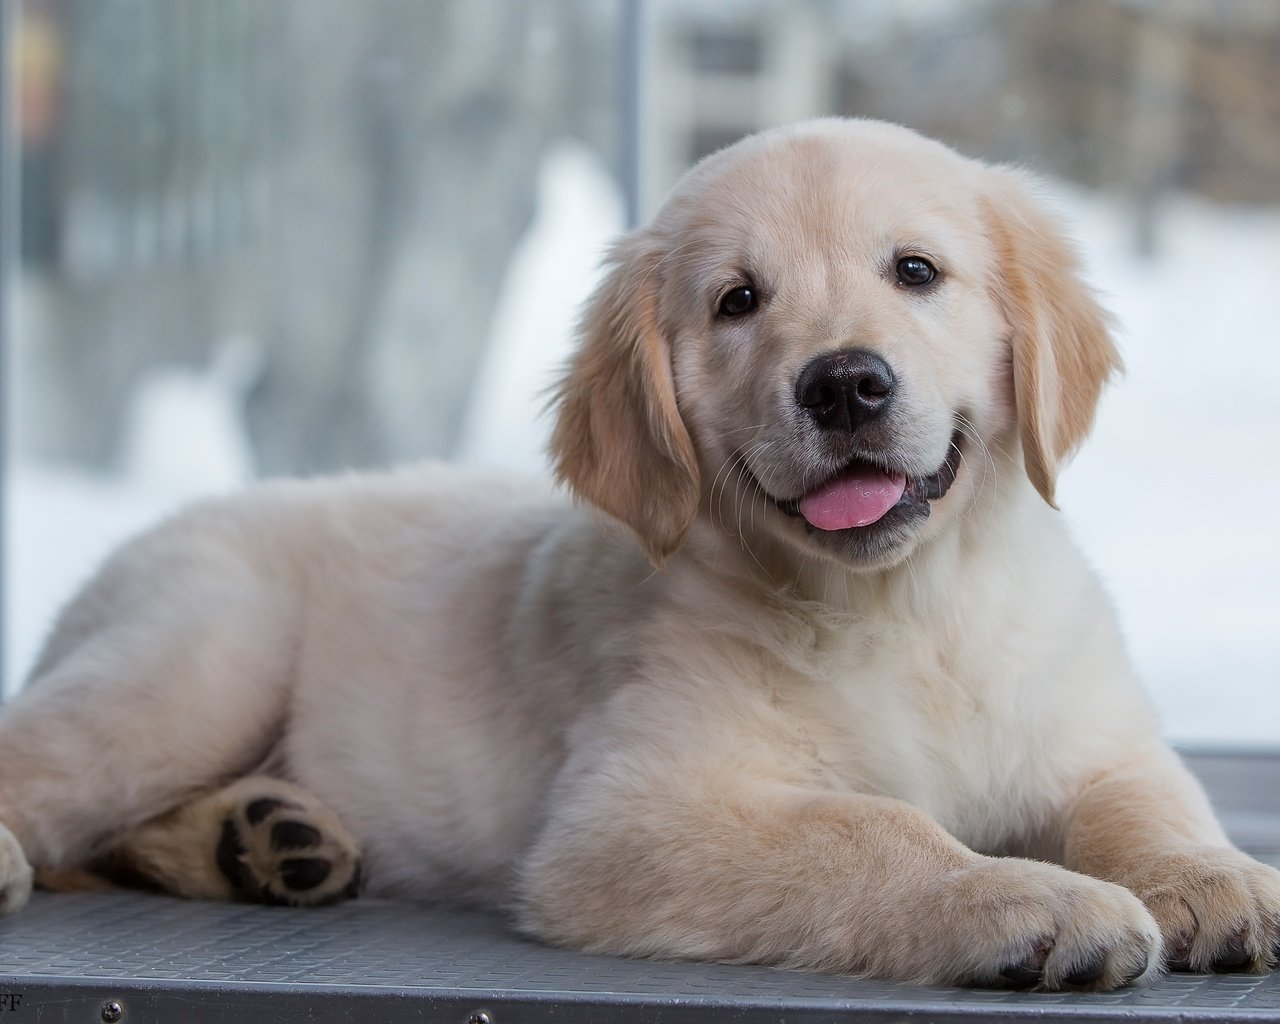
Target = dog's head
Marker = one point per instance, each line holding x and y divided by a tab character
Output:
838	333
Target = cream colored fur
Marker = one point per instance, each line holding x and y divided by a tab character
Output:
771	750
177	851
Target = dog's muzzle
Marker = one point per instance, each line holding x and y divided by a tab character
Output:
862	493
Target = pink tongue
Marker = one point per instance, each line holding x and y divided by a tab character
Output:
856	498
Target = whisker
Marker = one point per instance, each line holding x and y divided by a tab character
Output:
758	492
727	469
967	428
747	453
915	583
721	435
669	259
742	542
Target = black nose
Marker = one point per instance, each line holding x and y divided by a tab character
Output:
843	390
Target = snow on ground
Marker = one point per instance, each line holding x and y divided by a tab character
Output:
184	439
552	271
1166	498
59	524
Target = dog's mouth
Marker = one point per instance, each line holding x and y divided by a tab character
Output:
862	493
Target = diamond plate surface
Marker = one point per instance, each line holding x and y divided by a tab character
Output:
167	959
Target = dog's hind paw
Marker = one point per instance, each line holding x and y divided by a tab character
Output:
15	874
281	845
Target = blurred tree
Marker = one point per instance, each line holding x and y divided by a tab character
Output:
342	182
403	169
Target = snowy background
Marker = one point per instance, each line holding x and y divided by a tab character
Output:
1173	499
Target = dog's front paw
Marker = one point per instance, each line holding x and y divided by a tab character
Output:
1218	909
15	874
1022	924
281	846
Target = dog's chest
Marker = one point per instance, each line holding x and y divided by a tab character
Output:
951	733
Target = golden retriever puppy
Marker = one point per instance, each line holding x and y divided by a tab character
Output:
872	715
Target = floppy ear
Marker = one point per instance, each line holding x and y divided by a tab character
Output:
1061	338
619	441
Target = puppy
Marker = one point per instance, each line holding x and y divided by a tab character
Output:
873	715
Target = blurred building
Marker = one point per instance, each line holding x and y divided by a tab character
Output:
343	184
1126	95
340	183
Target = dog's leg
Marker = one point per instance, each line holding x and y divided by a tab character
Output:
15	873
819	880
258	839
1148	826
160	695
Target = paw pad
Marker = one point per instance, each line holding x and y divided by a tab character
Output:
256	810
303	873
1233	955
1136	971
287	851
1088	971
294	835
1028	972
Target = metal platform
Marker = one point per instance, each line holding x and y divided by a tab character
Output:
128	958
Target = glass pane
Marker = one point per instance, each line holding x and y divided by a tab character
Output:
287	237
295	236
1158	128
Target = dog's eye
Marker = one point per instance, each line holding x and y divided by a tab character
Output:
738	302
915	271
